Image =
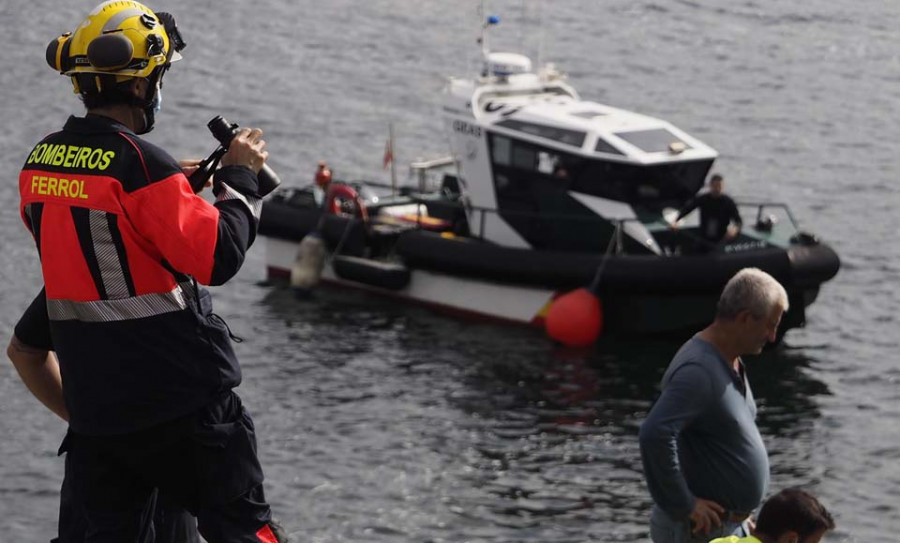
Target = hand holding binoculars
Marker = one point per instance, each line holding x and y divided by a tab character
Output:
224	132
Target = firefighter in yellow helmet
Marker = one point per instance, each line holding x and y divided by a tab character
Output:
124	244
119	44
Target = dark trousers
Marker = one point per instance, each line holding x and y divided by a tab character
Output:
161	521
204	463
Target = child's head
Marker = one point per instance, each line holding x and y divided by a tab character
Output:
793	516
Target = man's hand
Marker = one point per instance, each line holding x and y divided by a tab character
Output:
189	166
706	516
732	232
247	148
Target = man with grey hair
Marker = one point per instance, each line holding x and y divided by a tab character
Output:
704	460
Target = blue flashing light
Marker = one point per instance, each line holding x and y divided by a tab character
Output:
493	19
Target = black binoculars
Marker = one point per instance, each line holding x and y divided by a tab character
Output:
224	132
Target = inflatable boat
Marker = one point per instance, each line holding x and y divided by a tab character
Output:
543	193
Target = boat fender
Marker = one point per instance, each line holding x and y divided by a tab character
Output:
338	192
575	319
307	268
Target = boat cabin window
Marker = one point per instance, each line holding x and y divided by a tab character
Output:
531	169
502	151
657	140
590	114
533	186
604	146
574	138
523	157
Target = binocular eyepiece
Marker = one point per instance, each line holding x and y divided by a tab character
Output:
224	132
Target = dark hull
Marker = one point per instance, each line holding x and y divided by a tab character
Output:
636	290
640	293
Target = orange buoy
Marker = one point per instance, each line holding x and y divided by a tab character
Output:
575	319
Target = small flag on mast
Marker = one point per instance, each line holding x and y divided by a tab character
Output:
389	158
388	153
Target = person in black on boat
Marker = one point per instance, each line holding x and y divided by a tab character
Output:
719	217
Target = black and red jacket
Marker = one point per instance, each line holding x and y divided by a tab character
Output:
123	242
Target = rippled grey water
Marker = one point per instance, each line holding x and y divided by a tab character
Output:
381	422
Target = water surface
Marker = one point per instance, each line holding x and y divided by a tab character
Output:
382	422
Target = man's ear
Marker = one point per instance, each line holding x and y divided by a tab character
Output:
139	86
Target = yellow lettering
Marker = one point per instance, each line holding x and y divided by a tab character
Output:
107	158
70	155
46	154
62	188
59	156
94	159
81	161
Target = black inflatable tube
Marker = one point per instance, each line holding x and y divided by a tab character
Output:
797	267
645	274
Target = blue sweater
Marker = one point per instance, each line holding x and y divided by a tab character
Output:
700	438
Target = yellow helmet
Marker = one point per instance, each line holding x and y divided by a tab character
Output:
119	37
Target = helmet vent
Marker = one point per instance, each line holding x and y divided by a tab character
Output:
110	51
148	20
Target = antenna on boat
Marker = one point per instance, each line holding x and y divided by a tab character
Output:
522	25
486	22
540	53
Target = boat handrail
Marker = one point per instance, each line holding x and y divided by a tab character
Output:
618	222
421	167
484	211
761	206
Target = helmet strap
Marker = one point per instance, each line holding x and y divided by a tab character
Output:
147	103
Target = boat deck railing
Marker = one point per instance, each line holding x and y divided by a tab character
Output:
764	222
762	206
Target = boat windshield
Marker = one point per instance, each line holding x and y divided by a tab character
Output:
658	140
574	138
523	170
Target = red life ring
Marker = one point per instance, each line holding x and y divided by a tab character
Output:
339	192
